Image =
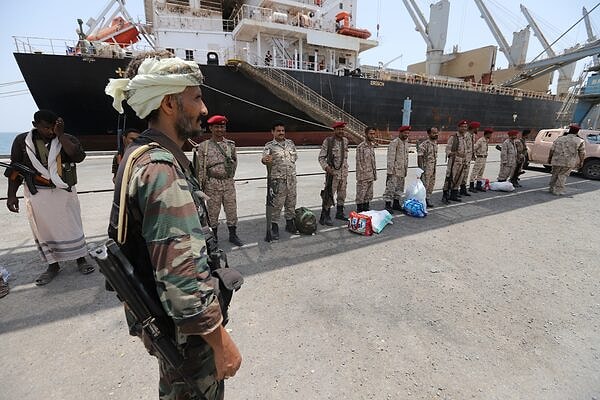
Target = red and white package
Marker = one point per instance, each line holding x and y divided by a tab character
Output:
360	223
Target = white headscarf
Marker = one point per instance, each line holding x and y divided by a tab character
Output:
155	79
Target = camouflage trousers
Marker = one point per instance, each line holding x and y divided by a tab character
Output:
284	190
465	176
394	188
199	368
456	170
364	191
478	169
339	187
428	179
559	179
506	171
221	192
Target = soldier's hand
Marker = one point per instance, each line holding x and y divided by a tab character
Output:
329	169
267	159
12	203
227	356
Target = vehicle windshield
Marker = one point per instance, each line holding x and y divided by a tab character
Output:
594	139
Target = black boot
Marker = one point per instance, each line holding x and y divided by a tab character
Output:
454	196
290	226
274	231
359	207
479	187
340	213
233	237
366	206
397	206
215	234
326	217
472	187
445	197
388	207
463	190
429	203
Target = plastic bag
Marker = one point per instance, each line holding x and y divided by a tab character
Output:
416	190
485	184
360	223
414	208
505	186
379	219
4	274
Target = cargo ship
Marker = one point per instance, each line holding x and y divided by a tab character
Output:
267	60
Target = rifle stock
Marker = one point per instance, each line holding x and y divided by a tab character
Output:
327	193
269	204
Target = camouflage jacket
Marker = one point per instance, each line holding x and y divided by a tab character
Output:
428	151
215	159
397	157
284	158
340	155
481	147
463	148
566	151
366	169
164	238
508	153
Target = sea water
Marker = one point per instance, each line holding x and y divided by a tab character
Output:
6	139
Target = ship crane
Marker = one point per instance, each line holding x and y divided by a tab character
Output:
565	73
433	32
590	32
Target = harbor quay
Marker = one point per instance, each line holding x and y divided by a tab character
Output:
495	297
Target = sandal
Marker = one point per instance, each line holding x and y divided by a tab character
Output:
46	277
85	268
3	287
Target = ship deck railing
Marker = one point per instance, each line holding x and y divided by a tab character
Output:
370	72
73	47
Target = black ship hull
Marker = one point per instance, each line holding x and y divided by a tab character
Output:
73	87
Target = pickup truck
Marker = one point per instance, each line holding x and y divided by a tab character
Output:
539	149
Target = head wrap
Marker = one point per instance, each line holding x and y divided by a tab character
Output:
404	128
338	124
217	120
155	79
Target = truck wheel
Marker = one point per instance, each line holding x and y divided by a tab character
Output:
591	169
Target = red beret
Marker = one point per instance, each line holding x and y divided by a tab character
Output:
474	125
574	128
217	120
463	122
513	133
488	130
338	124
404	128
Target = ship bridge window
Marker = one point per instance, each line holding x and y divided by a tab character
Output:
189	55
170	50
342	60
341	6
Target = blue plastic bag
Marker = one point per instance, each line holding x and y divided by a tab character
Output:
414	208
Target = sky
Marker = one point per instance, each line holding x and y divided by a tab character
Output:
397	35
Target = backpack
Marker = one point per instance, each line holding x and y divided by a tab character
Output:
305	221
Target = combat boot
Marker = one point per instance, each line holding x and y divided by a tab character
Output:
366	206
463	190
340	213
215	234
429	203
233	237
472	187
445	197
388	207
479	187
359	207
397	206
290	226
274	231
454	196
326	217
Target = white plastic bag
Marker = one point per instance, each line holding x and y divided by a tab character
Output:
505	186
416	190
379	219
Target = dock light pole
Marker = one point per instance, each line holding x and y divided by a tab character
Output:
406	110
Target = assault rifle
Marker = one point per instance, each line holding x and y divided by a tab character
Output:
119	274
269	203
30	176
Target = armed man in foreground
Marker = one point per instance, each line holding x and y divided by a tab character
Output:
333	158
164	237
567	153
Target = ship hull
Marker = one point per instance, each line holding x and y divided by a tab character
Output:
73	87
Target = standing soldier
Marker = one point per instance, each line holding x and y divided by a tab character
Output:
366	170
457	152
333	158
281	154
508	157
471	135
521	157
563	158
481	153
427	161
397	167
216	162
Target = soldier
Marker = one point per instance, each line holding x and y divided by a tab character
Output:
333	158
481	153
521	157
458	154
427	161
563	158
397	167
508	157
366	170
281	154
215	164
164	235
471	135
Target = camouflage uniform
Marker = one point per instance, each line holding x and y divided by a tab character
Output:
366	171
508	160
166	246
459	165
216	176
565	157
428	151
397	167
340	166
481	153
470	154
283	177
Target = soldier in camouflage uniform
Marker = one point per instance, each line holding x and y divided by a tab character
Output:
427	161
508	157
366	170
458	152
282	155
337	167
567	153
397	167
472	134
164	239
215	163
481	153
521	157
